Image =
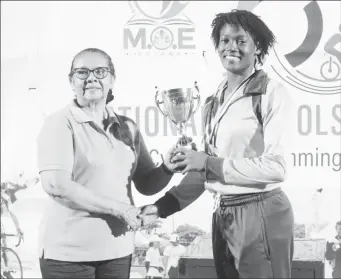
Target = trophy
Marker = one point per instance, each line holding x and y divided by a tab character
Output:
179	104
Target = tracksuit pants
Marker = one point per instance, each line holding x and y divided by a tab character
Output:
252	236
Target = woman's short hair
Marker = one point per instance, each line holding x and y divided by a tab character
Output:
338	224
94	50
252	24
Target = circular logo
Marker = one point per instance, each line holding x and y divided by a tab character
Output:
161	38
306	58
159	9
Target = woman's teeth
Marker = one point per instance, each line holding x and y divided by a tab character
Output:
231	58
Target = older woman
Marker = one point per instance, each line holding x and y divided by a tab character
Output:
88	156
244	159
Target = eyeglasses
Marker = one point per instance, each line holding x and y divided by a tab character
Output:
84	73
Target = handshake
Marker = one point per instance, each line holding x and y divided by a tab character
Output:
139	217
182	158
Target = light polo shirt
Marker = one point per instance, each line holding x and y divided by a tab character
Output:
250	156
155	261
72	142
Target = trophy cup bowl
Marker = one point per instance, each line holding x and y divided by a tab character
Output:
179	105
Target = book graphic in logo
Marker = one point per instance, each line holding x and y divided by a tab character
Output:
158	26
158	12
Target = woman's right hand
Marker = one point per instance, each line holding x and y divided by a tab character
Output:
130	215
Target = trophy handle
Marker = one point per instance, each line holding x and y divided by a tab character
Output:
196	97
158	102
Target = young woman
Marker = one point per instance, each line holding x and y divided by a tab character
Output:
244	159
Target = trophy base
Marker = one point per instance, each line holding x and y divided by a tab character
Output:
188	143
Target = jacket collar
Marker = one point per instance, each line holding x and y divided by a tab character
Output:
257	83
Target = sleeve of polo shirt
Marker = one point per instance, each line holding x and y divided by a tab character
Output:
148	178
145	162
55	145
270	167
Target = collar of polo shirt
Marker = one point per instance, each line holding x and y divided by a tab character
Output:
81	117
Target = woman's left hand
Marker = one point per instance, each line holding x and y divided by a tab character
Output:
189	159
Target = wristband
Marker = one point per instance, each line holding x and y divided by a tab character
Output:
167	205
